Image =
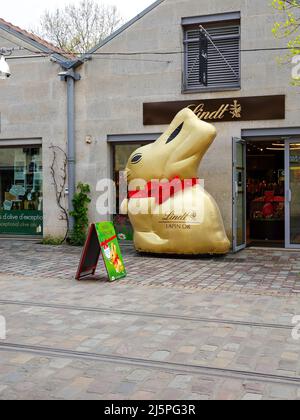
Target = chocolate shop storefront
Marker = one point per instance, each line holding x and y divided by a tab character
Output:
252	169
265	170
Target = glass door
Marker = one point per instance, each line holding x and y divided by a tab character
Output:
239	195
292	156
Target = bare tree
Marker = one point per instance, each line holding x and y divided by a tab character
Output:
77	28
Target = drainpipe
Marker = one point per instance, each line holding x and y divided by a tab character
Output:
70	77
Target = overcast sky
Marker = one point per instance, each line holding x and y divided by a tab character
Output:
26	13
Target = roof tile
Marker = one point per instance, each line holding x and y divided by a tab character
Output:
35	38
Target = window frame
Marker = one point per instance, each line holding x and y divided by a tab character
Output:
208	23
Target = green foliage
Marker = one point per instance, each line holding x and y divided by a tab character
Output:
81	202
288	27
53	240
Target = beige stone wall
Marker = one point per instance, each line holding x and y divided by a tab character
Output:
110	96
112	92
33	105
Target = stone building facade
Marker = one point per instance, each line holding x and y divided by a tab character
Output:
152	63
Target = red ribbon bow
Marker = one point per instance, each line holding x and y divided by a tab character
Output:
162	191
105	243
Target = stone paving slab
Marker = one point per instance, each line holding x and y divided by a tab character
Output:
225	346
121	296
259	271
43	378
237	347
146	316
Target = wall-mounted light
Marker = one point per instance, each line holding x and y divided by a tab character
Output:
89	139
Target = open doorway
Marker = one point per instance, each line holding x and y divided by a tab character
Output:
266	192
265	196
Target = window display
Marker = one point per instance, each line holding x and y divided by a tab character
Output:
267	217
21	197
265	193
122	153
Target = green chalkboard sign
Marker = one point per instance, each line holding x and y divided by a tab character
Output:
102	239
111	251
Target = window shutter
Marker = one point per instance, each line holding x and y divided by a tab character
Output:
220	75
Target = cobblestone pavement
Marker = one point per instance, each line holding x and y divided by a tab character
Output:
273	272
175	329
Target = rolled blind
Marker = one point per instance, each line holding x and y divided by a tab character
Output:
220	74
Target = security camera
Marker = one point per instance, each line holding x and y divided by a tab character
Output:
4	76
4	69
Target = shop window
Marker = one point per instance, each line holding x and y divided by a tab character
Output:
121	154
223	58
21	198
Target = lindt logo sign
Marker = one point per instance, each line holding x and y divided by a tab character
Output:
234	108
2	328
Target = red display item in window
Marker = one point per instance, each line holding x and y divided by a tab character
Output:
268	210
269	196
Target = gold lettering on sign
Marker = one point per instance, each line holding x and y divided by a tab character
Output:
235	109
177	218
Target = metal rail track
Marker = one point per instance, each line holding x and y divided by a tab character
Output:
109	311
177	368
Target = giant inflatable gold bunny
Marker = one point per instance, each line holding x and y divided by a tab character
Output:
170	212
